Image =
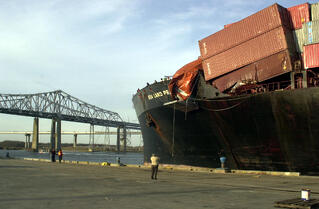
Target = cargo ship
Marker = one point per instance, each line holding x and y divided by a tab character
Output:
251	96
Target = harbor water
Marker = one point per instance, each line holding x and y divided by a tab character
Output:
111	157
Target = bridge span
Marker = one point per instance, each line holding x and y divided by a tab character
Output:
58	105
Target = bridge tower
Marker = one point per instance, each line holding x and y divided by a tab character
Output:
27	142
35	135
75	141
121	136
91	138
55	138
58	135
52	137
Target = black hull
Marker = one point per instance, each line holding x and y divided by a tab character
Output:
269	131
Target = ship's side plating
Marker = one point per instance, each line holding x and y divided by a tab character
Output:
267	131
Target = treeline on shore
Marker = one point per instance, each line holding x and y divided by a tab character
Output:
18	145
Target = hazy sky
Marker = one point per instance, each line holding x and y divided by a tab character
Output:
102	51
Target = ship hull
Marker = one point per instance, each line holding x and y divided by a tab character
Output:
267	131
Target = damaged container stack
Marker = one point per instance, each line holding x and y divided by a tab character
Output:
311	48
306	33
251	49
300	15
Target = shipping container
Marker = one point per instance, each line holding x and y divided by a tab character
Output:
315	11
227	25
298	15
299	37
255	49
244	30
259	71
311	32
311	56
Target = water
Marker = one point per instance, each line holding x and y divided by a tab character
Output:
111	157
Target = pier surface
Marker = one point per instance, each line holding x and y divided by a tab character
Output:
29	184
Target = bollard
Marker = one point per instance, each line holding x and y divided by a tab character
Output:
305	194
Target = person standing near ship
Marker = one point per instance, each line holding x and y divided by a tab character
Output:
154	163
222	158
60	154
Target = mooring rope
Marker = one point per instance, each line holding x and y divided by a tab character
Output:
219	110
224	100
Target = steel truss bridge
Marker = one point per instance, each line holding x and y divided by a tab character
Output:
62	106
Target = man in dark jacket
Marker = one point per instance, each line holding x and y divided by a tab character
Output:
52	155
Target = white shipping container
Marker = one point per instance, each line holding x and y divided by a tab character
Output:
299	38
311	32
315	11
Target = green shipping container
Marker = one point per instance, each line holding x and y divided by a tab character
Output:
299	38
315	11
311	32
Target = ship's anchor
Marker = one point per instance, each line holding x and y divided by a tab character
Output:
149	120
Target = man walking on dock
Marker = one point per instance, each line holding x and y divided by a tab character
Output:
155	163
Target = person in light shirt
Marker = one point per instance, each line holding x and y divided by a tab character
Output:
154	163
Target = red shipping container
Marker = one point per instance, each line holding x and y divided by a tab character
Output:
244	30
255	49
299	14
227	25
311	56
259	71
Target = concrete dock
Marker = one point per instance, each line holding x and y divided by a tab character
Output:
31	184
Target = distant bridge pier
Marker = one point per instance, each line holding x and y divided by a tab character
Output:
27	142
35	135
52	138
121	136
58	135
118	144
124	138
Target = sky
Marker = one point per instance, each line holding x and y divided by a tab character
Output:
102	51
